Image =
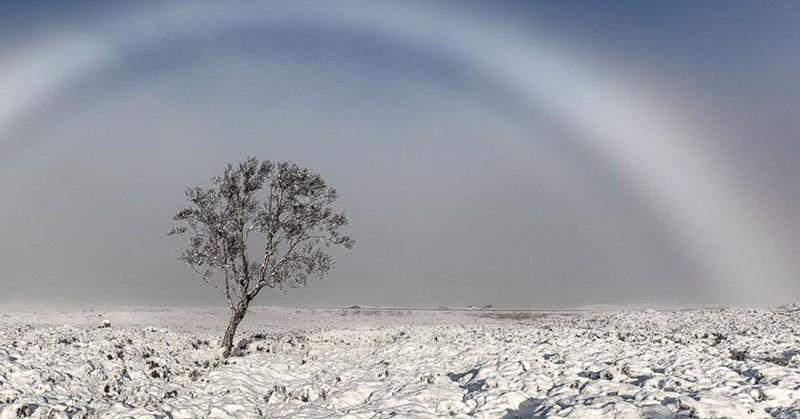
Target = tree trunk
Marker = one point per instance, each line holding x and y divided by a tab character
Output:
237	314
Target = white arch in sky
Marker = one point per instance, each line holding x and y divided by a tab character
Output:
625	125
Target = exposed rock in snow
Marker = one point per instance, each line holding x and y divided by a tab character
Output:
372	363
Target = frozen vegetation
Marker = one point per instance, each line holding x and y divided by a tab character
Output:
154	362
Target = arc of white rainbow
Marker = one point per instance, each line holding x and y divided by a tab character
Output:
648	140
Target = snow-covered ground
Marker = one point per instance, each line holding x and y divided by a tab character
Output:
164	362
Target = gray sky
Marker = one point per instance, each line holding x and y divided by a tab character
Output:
546	155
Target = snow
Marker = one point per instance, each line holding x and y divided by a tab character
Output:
123	362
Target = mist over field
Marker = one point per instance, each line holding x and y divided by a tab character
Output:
520	155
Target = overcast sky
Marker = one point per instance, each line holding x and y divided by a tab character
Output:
541	155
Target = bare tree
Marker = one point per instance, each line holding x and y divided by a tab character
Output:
281	203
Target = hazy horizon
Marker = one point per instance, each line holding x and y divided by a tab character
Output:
521	155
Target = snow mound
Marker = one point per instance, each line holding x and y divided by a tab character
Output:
789	308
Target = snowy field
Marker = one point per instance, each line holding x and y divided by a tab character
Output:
164	362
